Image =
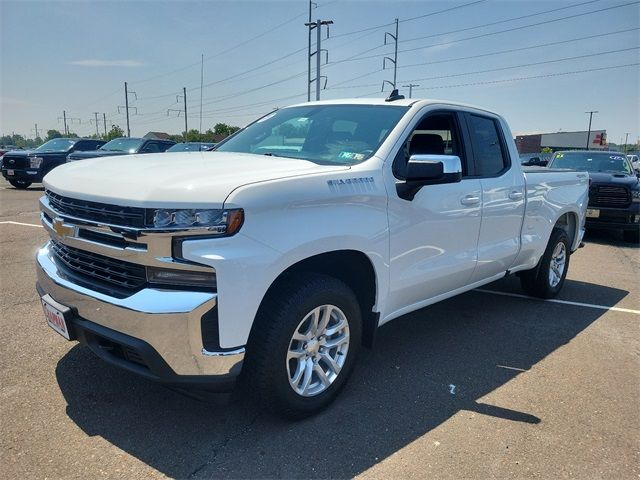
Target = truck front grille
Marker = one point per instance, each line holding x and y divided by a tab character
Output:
98	212
19	163
609	196
111	276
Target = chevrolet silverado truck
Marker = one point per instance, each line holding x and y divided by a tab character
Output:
23	167
614	193
273	259
124	146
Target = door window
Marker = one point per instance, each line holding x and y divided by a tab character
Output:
489	150
436	134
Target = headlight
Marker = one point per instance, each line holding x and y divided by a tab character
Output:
184	278
635	195
221	222
36	162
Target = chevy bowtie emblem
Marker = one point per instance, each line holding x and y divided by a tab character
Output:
63	230
12	162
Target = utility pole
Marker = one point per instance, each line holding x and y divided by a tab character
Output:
126	103
66	120
626	137
104	120
184	94
37	130
410	87
96	118
318	26
394	60
201	80
127	107
181	110
311	4
589	131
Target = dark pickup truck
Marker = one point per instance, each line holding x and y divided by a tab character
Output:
614	193
24	167
124	146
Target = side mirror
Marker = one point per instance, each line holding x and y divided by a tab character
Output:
429	170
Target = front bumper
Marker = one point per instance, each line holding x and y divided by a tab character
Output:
155	333
616	218
27	175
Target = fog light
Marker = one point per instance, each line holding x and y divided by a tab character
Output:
182	278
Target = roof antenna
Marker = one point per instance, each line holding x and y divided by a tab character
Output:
394	95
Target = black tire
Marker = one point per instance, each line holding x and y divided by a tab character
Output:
631	236
264	372
20	184
536	282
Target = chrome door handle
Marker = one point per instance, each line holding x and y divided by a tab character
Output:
516	195
470	200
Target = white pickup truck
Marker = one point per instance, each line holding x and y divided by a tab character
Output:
276	257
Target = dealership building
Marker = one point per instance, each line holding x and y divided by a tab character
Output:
534	143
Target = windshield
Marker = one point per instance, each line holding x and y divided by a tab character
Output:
190	147
129	145
592	162
56	145
324	134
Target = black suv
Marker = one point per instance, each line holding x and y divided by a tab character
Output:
614	193
124	146
24	167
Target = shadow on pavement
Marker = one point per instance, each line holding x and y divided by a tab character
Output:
608	237
426	367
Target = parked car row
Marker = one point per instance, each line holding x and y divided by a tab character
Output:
24	167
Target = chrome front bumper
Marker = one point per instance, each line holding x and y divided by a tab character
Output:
169	321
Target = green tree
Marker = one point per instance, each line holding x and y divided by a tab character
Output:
115	132
224	129
546	150
51	134
193	135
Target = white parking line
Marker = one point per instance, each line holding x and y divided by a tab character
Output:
564	302
25	224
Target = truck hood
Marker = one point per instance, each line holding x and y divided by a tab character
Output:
173	180
95	154
32	153
616	179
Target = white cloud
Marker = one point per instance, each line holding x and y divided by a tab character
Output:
106	63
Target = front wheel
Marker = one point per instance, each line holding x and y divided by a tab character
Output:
547	278
21	184
303	345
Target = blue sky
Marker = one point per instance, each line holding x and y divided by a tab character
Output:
75	56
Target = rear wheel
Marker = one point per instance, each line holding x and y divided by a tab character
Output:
304	344
631	236
21	184
547	278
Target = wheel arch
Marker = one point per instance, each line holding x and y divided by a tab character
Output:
569	222
354	268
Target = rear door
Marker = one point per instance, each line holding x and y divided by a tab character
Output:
503	195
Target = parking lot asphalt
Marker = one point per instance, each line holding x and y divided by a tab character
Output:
483	385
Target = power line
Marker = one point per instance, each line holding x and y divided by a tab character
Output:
502	68
511	50
443	11
513	19
547	75
451	42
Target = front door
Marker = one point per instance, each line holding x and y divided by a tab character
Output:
433	238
